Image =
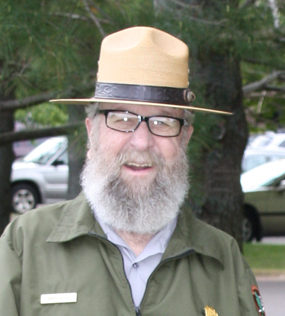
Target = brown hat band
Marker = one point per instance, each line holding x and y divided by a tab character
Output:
131	92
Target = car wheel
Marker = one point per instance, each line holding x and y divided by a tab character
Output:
24	198
248	228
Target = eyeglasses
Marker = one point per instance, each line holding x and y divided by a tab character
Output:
160	125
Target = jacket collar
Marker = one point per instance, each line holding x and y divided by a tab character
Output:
76	220
190	234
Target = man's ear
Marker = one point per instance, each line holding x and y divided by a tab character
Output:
88	124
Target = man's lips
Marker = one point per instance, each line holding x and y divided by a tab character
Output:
138	166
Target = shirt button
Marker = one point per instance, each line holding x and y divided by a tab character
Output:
135	265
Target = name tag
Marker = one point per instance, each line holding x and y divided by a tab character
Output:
58	298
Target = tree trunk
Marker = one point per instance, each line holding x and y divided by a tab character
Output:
223	204
6	151
6	160
76	151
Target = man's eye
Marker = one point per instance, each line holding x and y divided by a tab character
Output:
120	119
115	117
156	122
161	122
123	119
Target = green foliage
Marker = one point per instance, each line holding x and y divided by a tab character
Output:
246	33
54	46
48	114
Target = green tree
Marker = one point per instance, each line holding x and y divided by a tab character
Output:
234	45
50	49
35	56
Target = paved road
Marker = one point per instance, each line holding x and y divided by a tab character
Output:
274	241
272	291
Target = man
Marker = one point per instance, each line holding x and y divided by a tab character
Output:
128	245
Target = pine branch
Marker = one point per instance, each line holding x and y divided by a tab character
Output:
38	99
261	62
94	19
185	13
247	3
6	138
181	4
247	89
207	21
277	89
107	16
13	105
73	16
269	94
256	61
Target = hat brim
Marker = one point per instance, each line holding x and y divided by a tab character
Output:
86	101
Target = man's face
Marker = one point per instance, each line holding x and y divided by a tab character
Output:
135	181
141	141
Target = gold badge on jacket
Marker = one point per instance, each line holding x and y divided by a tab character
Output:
210	311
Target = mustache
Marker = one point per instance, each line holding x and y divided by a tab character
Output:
140	157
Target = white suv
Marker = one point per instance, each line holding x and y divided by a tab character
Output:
41	176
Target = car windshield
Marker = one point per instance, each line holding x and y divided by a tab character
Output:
260	141
263	175
46	150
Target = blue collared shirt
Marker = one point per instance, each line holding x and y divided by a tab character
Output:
139	268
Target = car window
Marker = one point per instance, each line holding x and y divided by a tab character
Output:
263	175
261	141
46	150
62	159
282	144
253	161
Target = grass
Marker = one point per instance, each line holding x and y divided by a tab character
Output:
265	257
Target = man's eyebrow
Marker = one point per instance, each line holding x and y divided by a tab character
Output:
159	111
166	112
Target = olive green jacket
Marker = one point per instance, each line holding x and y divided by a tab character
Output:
60	249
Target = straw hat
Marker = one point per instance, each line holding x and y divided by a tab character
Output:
143	65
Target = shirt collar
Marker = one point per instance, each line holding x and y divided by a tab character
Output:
157	244
190	234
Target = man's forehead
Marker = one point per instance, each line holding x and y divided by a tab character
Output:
141	109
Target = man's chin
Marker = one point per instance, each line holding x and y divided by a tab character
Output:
140	181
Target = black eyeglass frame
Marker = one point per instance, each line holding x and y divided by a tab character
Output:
146	119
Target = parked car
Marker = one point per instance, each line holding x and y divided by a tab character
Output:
264	204
41	176
254	157
269	140
23	147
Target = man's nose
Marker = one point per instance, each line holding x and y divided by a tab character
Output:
142	138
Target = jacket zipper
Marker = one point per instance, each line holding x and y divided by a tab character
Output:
181	255
137	309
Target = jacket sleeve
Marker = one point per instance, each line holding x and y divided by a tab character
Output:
10	280
247	284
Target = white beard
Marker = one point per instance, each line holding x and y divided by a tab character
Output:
134	206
